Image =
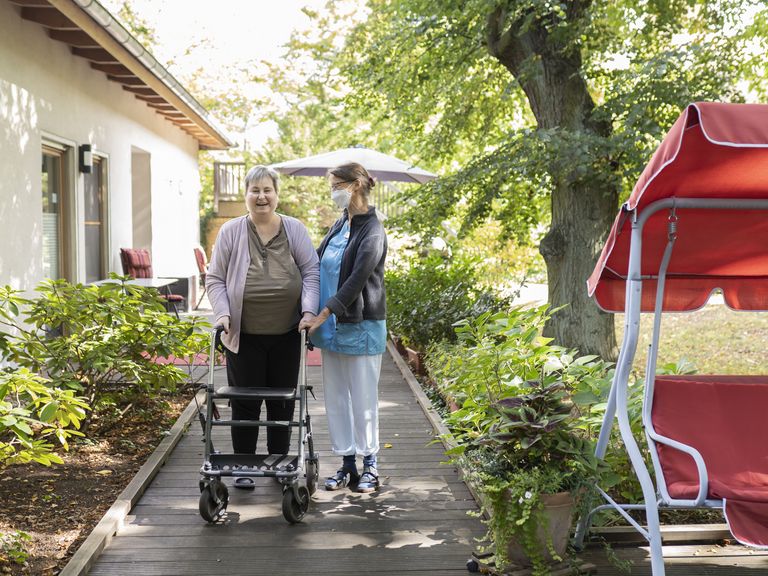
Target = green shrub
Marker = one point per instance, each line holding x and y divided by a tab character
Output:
31	414
496	356
520	427
97	341
427	297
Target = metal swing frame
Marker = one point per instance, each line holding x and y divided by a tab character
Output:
656	495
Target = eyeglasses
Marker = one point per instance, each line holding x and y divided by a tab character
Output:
340	185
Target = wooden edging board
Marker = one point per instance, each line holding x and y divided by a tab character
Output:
113	520
612	534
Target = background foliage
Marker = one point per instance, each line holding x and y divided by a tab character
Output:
425	66
429	294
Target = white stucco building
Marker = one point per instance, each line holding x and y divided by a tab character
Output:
71	77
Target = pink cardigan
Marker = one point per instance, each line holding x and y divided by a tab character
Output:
228	269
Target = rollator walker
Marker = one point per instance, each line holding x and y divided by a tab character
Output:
696	222
298	472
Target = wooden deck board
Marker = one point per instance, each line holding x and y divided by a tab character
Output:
692	560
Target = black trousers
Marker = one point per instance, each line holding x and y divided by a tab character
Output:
264	361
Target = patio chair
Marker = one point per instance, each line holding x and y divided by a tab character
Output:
137	263
202	268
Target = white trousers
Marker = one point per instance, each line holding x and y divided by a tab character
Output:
351	390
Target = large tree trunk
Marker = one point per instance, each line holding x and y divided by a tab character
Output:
549	73
581	217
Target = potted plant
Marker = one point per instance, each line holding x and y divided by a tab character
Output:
533	466
521	433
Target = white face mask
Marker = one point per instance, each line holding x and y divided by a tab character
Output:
341	197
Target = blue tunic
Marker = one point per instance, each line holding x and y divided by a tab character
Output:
368	337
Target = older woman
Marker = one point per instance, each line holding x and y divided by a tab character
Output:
351	328
263	284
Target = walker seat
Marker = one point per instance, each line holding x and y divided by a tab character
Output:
255	393
724	418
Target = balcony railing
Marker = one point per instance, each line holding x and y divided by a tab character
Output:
228	181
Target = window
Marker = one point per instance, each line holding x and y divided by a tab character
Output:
55	225
96	247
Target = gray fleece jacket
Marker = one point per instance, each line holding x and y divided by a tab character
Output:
360	294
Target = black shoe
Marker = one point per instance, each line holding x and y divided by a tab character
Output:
369	481
341	478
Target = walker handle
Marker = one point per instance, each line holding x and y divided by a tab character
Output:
216	333
307	342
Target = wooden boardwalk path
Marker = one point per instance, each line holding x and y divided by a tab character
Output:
417	524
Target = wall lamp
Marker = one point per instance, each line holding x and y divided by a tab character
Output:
86	158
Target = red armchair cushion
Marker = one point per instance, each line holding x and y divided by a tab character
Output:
136	262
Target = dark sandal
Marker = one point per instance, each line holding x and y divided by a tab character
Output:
341	479
369	481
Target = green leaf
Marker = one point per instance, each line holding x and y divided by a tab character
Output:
48	411
8	421
584	398
22	427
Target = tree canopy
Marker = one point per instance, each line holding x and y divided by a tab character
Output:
428	67
546	111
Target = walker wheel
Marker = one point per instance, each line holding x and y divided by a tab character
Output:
313	474
213	501
473	565
295	503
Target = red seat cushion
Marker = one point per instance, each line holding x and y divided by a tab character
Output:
136	262
747	521
723	417
202	261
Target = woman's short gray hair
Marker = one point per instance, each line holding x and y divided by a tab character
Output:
258	172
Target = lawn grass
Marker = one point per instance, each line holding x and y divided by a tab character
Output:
715	340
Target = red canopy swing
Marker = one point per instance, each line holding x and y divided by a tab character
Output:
696	221
714	150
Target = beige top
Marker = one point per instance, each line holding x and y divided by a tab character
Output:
272	295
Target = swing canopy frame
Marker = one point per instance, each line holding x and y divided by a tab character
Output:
714	151
696	222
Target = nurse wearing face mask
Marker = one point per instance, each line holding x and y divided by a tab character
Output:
351	327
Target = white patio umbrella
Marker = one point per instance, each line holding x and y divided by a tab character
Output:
380	166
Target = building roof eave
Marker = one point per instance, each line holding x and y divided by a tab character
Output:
93	33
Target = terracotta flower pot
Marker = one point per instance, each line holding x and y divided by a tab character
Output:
416	360
398	344
558	510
